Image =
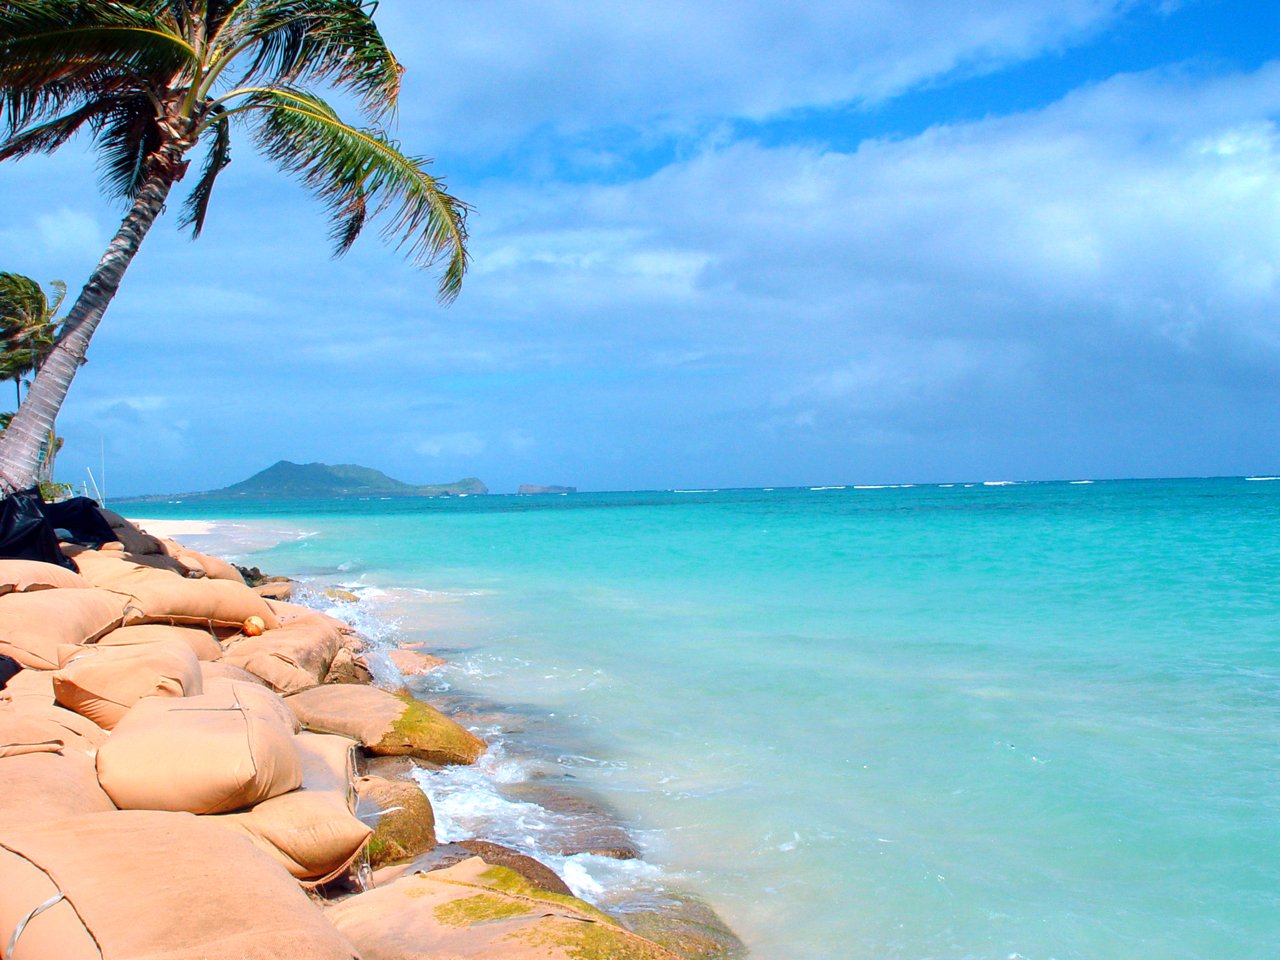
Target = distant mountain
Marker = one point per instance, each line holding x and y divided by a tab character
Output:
293	481
528	489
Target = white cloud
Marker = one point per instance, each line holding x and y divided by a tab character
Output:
485	71
461	444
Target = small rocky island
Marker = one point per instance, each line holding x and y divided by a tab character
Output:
528	489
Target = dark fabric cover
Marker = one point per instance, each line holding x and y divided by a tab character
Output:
80	519
8	667
25	531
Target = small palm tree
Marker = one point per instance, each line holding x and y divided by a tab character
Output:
152	80
27	325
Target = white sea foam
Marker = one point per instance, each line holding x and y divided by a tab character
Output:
468	803
871	486
999	483
828	488
1262	478
1076	483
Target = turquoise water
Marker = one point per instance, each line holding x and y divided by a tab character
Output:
1035	721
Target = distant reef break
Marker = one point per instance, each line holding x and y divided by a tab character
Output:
286	480
527	489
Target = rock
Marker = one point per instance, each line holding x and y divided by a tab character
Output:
274	589
539	874
348	667
393	768
595	830
405	826
690	928
414	664
386	724
473	909
343	596
528	489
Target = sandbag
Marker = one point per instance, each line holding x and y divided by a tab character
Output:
33	625
252	696
287	612
206	754
31	685
225	671
141	885
158	596
102	683
79	520
19	576
385	724
481	912
134	538
30	726
199	640
49	786
292	657
312	831
215	568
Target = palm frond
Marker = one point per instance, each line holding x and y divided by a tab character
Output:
127	137
56	52
362	174
219	155
48	137
335	41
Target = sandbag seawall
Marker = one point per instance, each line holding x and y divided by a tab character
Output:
182	759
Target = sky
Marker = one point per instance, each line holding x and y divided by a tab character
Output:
729	243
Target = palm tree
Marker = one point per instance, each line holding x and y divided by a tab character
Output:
27	325
152	80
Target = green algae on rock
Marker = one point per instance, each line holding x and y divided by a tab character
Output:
385	724
405	822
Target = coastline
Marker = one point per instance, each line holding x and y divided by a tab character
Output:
512	797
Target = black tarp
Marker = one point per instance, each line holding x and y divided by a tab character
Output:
25	531
8	667
78	521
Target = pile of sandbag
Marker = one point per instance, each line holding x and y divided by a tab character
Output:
179	763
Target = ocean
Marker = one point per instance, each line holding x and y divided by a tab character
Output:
1034	721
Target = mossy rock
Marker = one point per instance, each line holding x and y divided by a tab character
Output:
386	724
536	872
689	928
506	880
562	937
406	829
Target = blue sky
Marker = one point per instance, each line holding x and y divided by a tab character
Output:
731	244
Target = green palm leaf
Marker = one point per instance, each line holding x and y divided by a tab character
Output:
360	174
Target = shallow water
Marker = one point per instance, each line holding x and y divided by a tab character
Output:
1034	720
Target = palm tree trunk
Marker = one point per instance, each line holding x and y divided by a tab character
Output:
21	442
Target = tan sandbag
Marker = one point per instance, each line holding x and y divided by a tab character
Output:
414	663
312	832
133	537
33	625
200	641
292	657
385	724
274	589
20	576
141	885
206	754
102	683
287	612
252	696
215	568
480	912
159	596
32	726
49	786
31	684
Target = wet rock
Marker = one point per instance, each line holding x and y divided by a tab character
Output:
343	596
348	667
274	589
413	663
595	829
404	823
539	874
393	768
688	927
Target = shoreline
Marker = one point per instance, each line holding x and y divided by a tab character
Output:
575	824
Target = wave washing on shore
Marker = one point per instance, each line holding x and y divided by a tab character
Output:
962	721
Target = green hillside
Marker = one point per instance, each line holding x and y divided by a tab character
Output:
290	481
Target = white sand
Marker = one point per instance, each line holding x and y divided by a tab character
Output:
172	529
